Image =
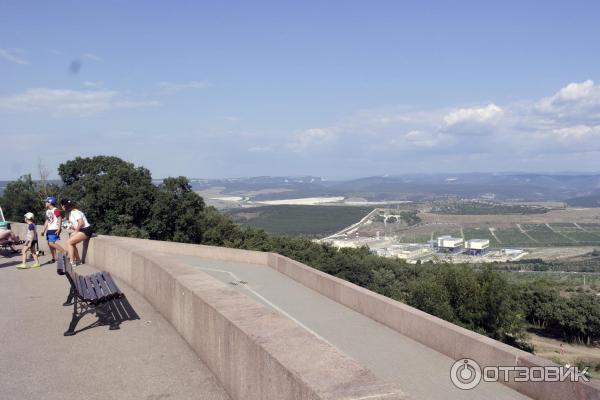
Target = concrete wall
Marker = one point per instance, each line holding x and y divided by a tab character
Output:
440	335
435	333
258	354
254	352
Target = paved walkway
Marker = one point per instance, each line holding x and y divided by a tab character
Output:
145	359
418	370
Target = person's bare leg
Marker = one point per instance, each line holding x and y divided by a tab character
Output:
72	242
55	247
24	255
70	251
77	257
58	247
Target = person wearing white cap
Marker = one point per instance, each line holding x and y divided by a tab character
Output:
31	241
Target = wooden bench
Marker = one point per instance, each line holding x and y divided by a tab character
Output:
89	293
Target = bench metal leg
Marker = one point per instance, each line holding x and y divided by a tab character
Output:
70	298
103	312
74	319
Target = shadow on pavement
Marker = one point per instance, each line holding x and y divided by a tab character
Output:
10	263
111	313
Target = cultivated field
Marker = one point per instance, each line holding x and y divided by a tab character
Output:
556	234
310	221
507	236
569	215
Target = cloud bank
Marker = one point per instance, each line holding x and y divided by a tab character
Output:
567	121
13	56
69	102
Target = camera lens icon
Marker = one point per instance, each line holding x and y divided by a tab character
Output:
465	374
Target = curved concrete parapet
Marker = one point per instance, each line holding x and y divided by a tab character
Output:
437	334
447	338
254	352
258	354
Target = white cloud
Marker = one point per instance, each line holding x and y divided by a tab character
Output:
175	87
91	57
475	114
574	91
93	84
575	99
67	101
577	132
13	56
569	124
260	149
418	138
313	137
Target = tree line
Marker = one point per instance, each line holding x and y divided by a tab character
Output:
120	199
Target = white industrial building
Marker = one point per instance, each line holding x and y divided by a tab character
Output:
477	246
449	244
409	250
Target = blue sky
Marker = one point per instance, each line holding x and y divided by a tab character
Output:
334	89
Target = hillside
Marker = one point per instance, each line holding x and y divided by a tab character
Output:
308	221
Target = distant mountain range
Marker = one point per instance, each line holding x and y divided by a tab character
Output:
518	186
578	190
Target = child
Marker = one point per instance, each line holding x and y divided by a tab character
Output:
52	227
31	242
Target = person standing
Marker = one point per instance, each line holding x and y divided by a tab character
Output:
80	228
31	243
53	226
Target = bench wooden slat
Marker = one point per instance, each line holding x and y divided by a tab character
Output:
111	284
87	289
81	288
97	287
101	289
105	288
91	289
75	280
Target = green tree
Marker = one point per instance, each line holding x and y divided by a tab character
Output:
22	196
431	297
177	212
115	195
501	314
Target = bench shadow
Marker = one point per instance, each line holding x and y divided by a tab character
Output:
111	313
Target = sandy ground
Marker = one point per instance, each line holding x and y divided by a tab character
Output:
550	348
558	253
307	201
228	198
